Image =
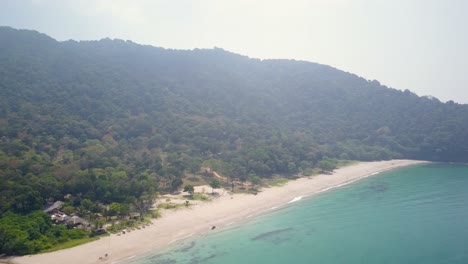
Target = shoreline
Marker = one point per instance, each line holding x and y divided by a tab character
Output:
177	226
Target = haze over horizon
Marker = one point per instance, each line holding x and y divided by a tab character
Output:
416	45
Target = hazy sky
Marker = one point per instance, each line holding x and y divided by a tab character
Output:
420	45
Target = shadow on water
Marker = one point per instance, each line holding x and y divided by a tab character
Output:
164	259
200	260
276	236
374	189
161	259
195	256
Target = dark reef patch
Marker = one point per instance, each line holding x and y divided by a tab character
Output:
161	259
276	236
373	190
187	247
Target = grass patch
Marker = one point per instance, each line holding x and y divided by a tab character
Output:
200	197
344	163
72	243
132	224
153	214
253	191
312	172
278	182
169	206
248	190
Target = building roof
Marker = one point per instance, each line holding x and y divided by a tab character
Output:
57	205
75	220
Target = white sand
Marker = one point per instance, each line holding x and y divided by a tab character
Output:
182	224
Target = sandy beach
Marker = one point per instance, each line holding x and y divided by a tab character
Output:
224	211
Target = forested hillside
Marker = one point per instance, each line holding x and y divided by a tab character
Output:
113	121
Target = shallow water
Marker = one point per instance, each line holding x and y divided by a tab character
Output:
416	214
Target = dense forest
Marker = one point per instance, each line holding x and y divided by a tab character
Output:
111	121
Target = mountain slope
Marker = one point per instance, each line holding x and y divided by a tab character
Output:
104	119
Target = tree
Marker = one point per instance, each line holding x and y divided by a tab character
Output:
87	204
215	184
144	202
190	189
327	164
114	209
31	233
255	179
176	183
124	210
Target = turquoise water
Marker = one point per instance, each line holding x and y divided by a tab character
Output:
411	215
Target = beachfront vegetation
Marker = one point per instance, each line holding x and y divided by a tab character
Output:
190	189
32	233
107	125
278	182
200	197
214	184
327	165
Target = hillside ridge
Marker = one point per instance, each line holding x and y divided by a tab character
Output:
112	121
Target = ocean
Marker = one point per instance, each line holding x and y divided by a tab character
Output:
416	214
